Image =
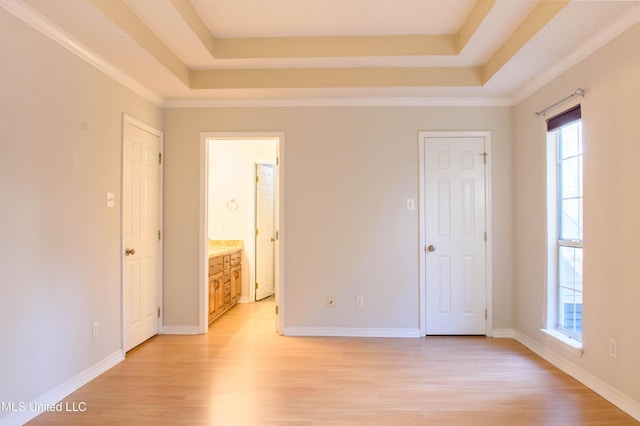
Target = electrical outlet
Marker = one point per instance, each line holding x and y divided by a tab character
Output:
331	302
359	302
95	329
613	348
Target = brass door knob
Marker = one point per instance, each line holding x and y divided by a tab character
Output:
431	248
129	252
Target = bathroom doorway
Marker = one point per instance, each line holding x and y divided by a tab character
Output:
229	203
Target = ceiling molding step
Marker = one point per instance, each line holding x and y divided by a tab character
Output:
600	39
192	19
45	27
298	78
333	46
534	22
339	102
120	14
475	18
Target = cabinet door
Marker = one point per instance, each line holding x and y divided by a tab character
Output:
236	281
212	304
219	294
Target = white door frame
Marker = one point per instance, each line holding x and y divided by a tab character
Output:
203	324
127	119
422	137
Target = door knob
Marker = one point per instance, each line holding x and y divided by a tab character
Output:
431	248
129	252
273	240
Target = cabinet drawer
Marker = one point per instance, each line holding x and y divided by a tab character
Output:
226	276
227	289
215	264
226	261
235	258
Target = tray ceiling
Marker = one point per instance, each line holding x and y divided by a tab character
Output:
186	51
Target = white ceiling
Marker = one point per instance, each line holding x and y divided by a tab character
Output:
159	51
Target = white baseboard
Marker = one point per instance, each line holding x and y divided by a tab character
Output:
351	332
608	392
504	333
180	329
29	410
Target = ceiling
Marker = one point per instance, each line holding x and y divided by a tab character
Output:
278	52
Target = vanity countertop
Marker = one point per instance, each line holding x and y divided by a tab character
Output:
222	247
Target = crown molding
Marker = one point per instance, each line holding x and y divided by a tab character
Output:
47	28
339	102
593	44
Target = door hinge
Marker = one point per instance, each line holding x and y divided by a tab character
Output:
484	157
256	286
486	315
277	161
159	235
257	232
485	235
276	309
257	179
159	158
158	311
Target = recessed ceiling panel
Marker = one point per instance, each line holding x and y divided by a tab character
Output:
294	18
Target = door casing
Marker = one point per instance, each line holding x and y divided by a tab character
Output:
422	138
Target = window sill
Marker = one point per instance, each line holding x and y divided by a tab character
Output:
568	343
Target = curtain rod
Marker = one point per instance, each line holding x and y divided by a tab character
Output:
541	113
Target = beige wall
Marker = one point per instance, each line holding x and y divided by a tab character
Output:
611	204
348	173
60	138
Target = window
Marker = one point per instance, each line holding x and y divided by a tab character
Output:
565	223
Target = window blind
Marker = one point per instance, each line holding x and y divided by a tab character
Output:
564	118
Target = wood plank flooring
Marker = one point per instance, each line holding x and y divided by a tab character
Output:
243	373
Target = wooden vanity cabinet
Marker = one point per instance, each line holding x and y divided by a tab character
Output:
225	272
215	281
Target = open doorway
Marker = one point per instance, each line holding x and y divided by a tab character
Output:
230	211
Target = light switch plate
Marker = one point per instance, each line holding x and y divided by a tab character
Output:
411	204
111	199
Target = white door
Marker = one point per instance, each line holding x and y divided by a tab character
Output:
265	232
455	247
141	177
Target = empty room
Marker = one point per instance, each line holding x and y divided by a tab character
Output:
319	212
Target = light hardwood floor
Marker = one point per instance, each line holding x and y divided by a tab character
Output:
242	373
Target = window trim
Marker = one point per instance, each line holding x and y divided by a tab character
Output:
552	328
567	342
